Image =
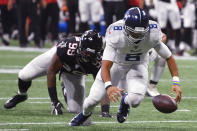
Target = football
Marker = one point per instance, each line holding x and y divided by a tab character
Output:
164	103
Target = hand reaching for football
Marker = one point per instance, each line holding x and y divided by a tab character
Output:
114	93
177	89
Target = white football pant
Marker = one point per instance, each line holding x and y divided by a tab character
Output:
90	10
132	78
168	11
74	84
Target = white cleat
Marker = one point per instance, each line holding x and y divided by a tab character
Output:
152	90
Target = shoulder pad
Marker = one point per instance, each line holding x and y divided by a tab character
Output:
114	32
155	31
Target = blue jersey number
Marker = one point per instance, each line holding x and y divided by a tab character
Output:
133	57
117	27
151	26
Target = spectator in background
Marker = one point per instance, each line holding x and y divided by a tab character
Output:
135	3
149	7
49	9
188	23
29	8
8	19
111	8
195	31
72	6
170	22
90	10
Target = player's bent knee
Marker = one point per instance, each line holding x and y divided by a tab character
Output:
22	75
89	103
74	106
135	99
75	109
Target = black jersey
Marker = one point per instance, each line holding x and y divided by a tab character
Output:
67	52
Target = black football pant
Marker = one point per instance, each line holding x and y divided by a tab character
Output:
28	8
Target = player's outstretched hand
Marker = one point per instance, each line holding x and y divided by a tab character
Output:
114	93
56	108
177	89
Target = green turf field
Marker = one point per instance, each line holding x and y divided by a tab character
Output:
34	114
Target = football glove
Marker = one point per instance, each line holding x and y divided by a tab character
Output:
56	108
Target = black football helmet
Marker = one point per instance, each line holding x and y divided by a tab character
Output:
90	46
136	24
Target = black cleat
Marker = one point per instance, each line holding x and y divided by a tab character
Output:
79	120
106	114
14	101
123	110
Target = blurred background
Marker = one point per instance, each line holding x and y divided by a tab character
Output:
39	23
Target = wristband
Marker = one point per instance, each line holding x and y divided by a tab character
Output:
175	80
108	84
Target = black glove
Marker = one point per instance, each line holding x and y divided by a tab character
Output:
56	108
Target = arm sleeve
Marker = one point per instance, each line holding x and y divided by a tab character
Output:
109	53
163	50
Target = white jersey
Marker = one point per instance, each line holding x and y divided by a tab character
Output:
120	50
168	11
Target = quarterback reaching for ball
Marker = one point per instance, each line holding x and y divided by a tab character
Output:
125	65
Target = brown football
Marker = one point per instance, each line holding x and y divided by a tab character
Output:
164	103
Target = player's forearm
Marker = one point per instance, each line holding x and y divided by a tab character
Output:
105	70
54	67
105	73
51	82
172	66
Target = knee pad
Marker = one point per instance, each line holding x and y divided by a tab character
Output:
89	105
74	107
25	75
89	102
22	75
134	99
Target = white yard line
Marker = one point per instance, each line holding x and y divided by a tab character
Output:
99	122
31	49
48	102
9	71
39	102
47	98
90	79
10	67
37	80
28	49
30	98
14	129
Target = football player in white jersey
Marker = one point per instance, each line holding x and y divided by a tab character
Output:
167	10
70	52
125	65
90	10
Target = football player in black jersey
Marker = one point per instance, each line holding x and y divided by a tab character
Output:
74	57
